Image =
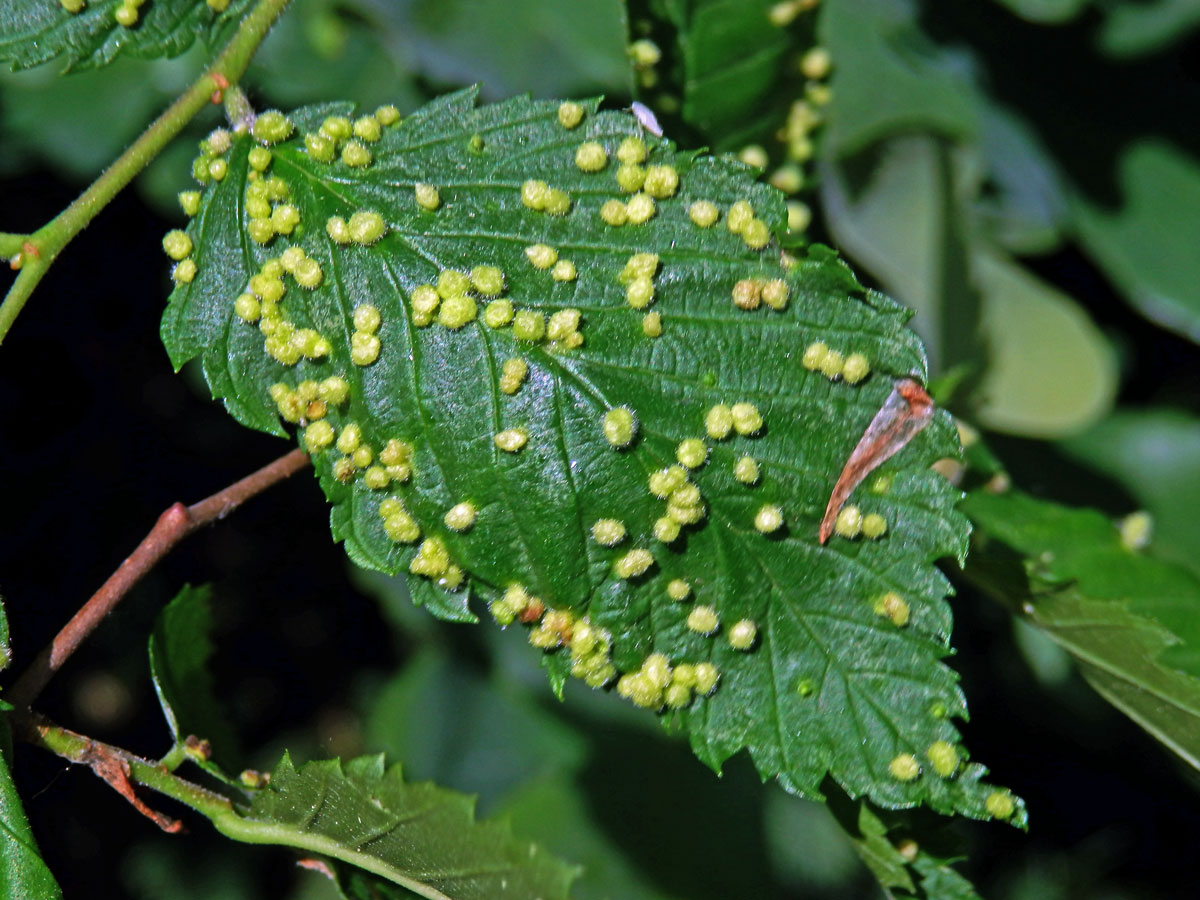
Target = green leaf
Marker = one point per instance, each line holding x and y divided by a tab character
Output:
1147	244
1155	454
419	836
180	647
1129	620
5	649
829	685
22	871
36	31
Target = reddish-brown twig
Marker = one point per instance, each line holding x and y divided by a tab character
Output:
173	526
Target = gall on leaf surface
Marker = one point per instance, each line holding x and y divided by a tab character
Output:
36	31
827	682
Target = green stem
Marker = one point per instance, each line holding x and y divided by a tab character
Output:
50	239
10	244
83	750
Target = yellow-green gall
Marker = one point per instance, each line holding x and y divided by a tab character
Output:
72	6
756	234
396	453
337	127
742	634
570	114
334	390
564	270
754	155
535	194
640	208
639	293
366	227
452	283
775	294
704	213
184	271
745	470
425	301
511	440
217	169
529	325
640	265
368	128
564	326
666	529
849	522
707	676
541	256
260	230
513	373
747	294
356	155
613	213
855	368
608	532
661	181
814	356
874	525
644	53
308	273
457	311
788	178
247	308
285	218
703	620
799	215
630	178
1000	805
718	421
768	519
487	281
267	288
259	158
189	202
904	767
338	230
816	63
692	452
318	435
892	606
349	439
590	156
677	696
498	313
740	214
678	590
558	203
367	318
831	365
665	482
291	257
686	494
387	115
427	196
634	563
881	484
943	757
127	14
320	147
746	419
1135	529
632	150
177	245
461	516
363	457
401	528
271	127
652	325
619	426
364	348
432	559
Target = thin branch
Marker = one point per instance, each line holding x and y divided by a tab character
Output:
48	242
173	526
122	770
10	244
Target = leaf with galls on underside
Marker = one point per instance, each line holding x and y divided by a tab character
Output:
419	836
87	34
616	415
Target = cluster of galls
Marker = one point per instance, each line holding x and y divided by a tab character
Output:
340	138
550	629
658	685
852	369
283	341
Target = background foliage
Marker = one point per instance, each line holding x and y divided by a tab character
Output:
1041	223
